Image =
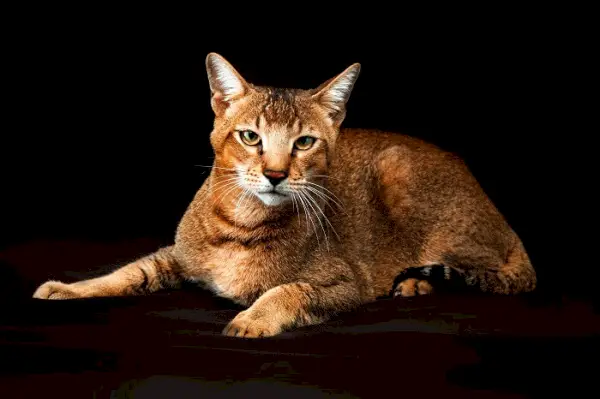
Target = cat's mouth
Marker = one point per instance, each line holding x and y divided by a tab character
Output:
273	191
272	197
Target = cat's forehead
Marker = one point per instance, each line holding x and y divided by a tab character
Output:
284	112
280	106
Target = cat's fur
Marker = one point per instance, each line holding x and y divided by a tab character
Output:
374	205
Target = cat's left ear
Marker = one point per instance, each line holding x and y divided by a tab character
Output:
335	93
226	84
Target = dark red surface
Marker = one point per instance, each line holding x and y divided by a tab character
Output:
169	344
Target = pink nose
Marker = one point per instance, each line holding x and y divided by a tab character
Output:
275	176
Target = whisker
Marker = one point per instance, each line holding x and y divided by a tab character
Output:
237	205
329	198
303	195
293	201
229	176
300	203
224	182
324	197
297	205
329	191
221	179
308	217
315	203
231	186
324	188
225	179
324	216
248	197
311	199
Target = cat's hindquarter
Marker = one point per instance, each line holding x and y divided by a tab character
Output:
409	203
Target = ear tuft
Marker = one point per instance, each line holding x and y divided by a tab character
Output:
225	82
335	93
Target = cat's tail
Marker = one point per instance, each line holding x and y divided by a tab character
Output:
148	274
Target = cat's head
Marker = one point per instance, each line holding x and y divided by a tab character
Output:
276	141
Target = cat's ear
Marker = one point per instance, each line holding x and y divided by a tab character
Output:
334	93
226	84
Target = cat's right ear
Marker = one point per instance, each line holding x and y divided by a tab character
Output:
334	93
226	84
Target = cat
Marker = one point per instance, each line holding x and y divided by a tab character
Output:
301	219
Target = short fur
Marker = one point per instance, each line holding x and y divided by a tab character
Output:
354	211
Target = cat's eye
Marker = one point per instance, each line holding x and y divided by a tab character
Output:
249	137
304	143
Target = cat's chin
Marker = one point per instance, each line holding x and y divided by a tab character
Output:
273	198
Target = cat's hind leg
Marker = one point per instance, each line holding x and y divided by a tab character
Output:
425	280
145	275
470	268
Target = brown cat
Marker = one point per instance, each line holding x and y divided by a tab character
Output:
299	220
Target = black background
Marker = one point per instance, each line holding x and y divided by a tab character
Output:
106	113
107	116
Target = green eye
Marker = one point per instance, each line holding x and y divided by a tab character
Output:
249	137
304	142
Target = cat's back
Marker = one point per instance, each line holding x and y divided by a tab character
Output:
405	172
379	138
356	145
360	152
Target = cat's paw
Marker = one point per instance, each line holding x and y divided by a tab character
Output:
247	325
420	280
55	290
412	287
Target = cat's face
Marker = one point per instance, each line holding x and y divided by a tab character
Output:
275	143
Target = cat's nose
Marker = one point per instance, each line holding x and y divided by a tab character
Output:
275	176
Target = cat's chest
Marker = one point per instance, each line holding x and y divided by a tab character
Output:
243	275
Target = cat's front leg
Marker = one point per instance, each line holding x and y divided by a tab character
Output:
293	305
145	275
